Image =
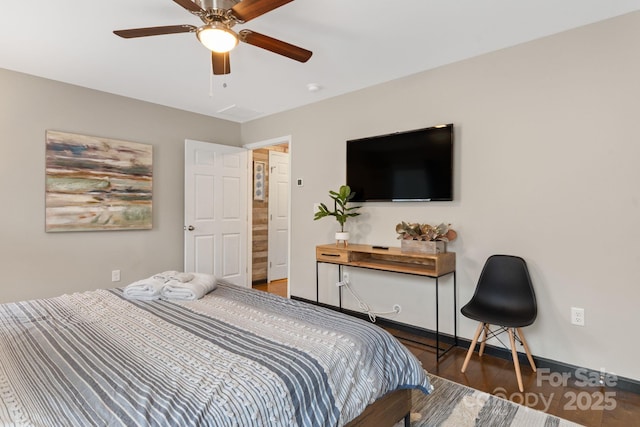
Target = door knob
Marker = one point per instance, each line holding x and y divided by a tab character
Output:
190	228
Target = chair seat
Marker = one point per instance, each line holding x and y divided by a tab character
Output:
512	317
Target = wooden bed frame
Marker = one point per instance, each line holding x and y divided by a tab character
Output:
386	411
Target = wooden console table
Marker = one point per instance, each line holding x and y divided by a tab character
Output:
393	260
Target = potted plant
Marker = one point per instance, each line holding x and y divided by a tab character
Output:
340	210
424	238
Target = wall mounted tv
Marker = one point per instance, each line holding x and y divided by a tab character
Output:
408	166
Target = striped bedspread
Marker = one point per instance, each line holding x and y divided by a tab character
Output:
237	357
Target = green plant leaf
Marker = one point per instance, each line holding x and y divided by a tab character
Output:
340	209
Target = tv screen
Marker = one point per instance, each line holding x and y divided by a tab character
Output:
415	165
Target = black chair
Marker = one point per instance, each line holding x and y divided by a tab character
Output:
504	297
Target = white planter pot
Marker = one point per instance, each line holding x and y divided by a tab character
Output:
342	236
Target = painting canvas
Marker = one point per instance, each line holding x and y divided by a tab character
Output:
97	183
258	180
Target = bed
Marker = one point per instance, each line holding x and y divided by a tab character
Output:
237	357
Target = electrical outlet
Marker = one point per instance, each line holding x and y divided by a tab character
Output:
345	277
577	316
115	276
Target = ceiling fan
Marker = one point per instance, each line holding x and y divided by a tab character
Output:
219	16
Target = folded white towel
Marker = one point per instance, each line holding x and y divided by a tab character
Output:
146	289
196	288
165	275
181	277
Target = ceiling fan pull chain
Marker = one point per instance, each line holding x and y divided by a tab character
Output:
211	80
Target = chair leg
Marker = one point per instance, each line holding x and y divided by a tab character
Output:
472	347
484	339
516	363
526	349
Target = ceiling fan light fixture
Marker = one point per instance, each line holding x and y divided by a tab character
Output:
217	37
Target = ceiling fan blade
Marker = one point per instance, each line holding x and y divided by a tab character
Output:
220	62
154	31
246	10
275	45
190	6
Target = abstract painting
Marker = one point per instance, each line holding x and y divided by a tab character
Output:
97	183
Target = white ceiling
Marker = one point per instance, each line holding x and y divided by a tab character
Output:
355	44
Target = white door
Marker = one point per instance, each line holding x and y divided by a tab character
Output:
278	246
215	205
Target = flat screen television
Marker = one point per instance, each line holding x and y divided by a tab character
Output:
415	165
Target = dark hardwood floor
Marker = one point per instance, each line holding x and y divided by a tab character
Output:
589	406
544	390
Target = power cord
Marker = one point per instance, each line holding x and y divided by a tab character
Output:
373	315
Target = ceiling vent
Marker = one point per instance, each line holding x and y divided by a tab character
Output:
240	114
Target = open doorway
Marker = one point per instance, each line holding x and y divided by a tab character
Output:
270	218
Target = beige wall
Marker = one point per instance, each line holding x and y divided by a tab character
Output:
546	168
38	264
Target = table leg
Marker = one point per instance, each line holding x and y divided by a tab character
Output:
340	287
437	323
317	287
455	311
